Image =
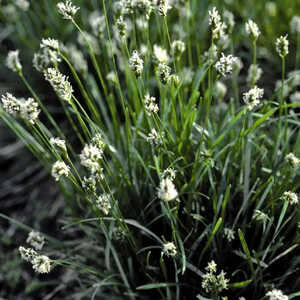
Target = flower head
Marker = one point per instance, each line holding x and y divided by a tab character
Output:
291	197
67	9
59	169
178	47
155	138
36	240
225	64
252	97
282	46
52	44
276	295
160	54
167	190
293	160
103	203
150	105
90	157
58	143
28	254
13	61
60	84
229	234
217	26
41	264
163	7
252	29
163	72
29	110
169	249
136	63
10	104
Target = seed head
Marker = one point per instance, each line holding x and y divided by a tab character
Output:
282	46
10	104
225	64
160	54
13	61
58	143
169	249
291	197
90	157
59	169
178	47
36	240
41	264
276	295
67	9
136	63
150	105
167	190
103	203
293	160
252	29
163	7
28	254
253	97
163	72
217	26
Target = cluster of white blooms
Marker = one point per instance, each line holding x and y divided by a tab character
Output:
163	72
23	4
253	97
259	216
252	29
178	47
60	84
229	234
36	240
167	190
10	104
58	143
45	58
59	169
225	64
276	295
103	203
169	249
295	25
282	46
170	173
213	283
40	263
291	197
136	63
67	9
150	105
293	160
90	157
140	7
163	6
13	61
155	138
254	74
217	26
160	54
29	110
50	43
90	183
121	26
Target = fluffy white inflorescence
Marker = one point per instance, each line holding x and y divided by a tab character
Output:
90	157
259	216
136	63
41	264
254	74
154	138
13	61
253	97
225	64
229	234
10	104
295	25
60	84
163	7
169	249
213	283
167	190
67	9
59	169
163	72
29	110
150	105
28	254
276	295
178	47
217	26
36	240
103	203
160	54
252	29
50	43
282	46
291	197
293	160
58	143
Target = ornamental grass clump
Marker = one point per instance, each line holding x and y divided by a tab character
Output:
180	174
